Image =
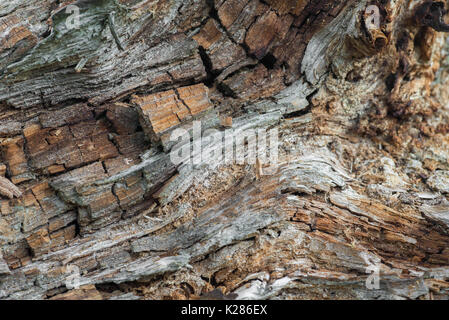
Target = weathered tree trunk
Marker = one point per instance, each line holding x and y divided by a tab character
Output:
94	207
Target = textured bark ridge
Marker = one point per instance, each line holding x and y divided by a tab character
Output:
93	207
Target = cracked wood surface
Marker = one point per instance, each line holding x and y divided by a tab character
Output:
89	190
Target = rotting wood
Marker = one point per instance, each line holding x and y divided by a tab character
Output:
362	177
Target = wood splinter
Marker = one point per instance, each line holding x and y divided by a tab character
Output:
79	67
111	22
226	122
8	189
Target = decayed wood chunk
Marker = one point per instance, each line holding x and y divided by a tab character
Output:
14	156
220	50
4	269
15	38
88	292
66	116
162	112
68	146
8	189
257	83
124	118
265	30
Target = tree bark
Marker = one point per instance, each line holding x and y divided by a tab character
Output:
94	207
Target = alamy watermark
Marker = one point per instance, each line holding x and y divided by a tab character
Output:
373	280
372	17
214	147
73	21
